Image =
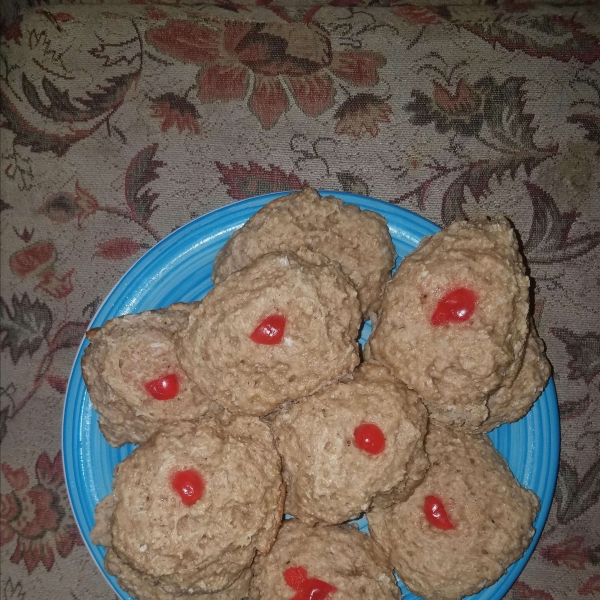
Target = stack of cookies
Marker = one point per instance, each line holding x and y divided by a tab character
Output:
258	401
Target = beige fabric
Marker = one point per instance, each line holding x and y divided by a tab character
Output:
115	134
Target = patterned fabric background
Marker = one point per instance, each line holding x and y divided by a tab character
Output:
122	123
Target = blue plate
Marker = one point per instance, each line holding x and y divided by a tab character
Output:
178	269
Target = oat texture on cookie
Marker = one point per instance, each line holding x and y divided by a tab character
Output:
323	562
357	240
191	508
464	525
278	330
134	377
512	402
352	445
454	319
254	401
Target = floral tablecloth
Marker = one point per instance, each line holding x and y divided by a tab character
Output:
121	123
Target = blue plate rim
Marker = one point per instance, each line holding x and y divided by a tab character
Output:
514	571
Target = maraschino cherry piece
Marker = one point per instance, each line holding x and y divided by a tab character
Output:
369	438
163	388
270	331
295	577
436	514
456	306
307	588
189	485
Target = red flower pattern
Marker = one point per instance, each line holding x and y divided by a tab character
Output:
156	14
62	17
237	55
117	248
58	383
243	182
37	517
55	286
590	587
33	259
464	101
418	15
175	110
13	31
86	204
570	552
521	591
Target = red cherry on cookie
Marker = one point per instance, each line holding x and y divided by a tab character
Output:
436	513
455	307
295	577
163	388
368	437
270	331
307	588
189	485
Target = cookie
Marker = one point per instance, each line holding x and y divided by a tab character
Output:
357	240
143	587
454	322
191	508
463	526
134	378
279	329
322	562
352	445
511	403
